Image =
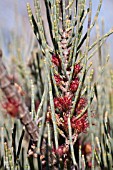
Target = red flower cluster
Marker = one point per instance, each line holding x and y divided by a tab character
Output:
63	103
77	68
58	79
11	106
81	124
56	60
74	84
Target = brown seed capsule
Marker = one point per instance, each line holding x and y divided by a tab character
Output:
48	116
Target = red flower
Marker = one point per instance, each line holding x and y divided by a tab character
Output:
59	151
77	68
57	104
11	106
56	60
90	164
74	84
58	79
63	149
65	117
81	104
63	103
66	101
81	124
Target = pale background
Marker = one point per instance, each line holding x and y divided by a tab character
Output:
13	16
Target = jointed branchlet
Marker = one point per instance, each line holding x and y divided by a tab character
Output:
15	105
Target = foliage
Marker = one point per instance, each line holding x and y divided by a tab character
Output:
69	104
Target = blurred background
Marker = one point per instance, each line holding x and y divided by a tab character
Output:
15	29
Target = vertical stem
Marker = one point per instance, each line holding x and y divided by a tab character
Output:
71	143
51	101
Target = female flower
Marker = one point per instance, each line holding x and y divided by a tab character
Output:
11	106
